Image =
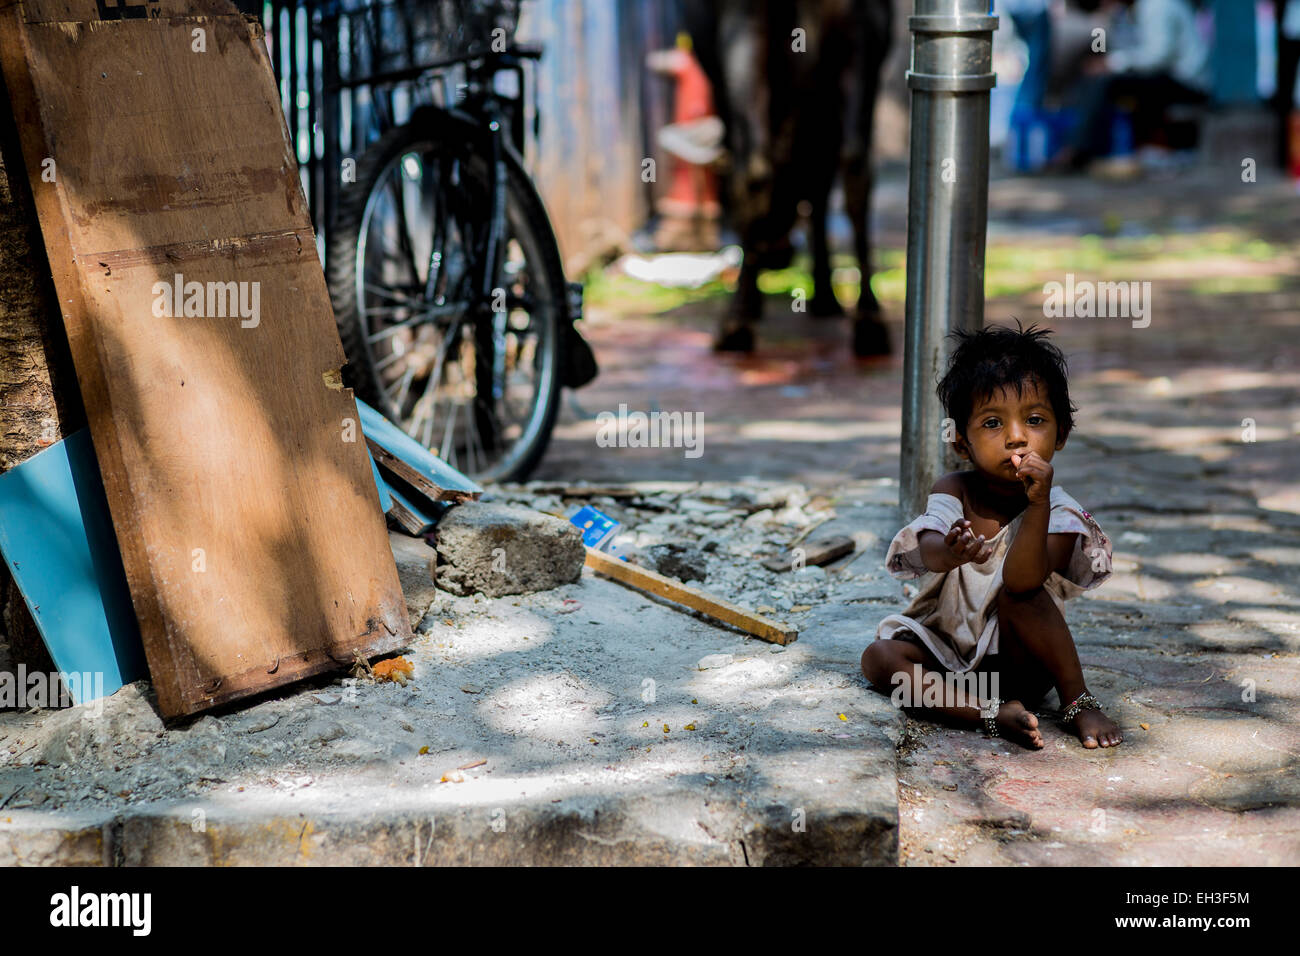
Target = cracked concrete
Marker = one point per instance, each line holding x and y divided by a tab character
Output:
587	724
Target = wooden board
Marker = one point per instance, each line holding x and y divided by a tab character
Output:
404	456
715	607
408	515
58	542
249	527
813	554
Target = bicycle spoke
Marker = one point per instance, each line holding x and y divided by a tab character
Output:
395	310
428	400
426	439
472	441
477	395
404	385
390	330
425	315
388	292
403	227
448	450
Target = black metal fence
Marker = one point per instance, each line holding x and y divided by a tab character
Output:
350	69
340	68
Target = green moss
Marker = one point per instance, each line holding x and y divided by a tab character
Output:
1241	285
1013	268
608	289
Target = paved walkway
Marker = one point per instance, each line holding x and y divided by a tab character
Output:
531	734
1186	451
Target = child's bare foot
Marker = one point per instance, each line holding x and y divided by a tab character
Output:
1095	729
1018	724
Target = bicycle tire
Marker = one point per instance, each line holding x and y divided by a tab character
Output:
525	213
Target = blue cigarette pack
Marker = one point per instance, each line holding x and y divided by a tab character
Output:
597	528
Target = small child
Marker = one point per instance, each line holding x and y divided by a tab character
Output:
999	549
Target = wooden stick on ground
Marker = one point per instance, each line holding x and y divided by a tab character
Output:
693	598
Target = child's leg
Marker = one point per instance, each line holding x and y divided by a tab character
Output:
891	664
1035	643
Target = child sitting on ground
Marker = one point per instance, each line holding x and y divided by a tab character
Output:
1000	548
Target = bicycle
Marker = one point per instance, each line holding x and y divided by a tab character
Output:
444	270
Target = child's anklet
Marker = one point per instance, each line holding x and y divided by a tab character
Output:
1084	701
989	714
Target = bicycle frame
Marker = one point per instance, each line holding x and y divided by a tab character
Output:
485	110
491	287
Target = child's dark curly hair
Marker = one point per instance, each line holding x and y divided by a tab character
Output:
999	356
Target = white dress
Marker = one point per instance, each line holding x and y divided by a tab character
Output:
955	612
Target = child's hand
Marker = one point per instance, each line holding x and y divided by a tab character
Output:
1036	473
964	546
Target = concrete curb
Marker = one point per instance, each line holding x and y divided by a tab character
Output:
689	824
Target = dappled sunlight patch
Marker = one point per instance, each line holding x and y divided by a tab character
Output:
814	431
1241	636
490	635
1140	587
1276	555
1233	588
1188	563
1282	622
546	706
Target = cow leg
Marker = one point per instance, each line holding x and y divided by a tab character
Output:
870	335
823	303
736	332
742	36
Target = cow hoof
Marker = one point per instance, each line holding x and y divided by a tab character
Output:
825	307
734	338
870	337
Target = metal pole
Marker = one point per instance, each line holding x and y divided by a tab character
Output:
947	216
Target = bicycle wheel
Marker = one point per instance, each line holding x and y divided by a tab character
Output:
472	376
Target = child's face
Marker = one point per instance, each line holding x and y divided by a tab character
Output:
1004	424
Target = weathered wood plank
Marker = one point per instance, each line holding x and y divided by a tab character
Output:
813	554
249	528
654	583
404	456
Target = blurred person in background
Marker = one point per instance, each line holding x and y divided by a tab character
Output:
1033	22
1167	63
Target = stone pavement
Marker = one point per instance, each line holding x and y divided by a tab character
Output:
592	725
1186	452
1192	644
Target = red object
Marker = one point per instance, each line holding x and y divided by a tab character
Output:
693	189
694	99
1294	140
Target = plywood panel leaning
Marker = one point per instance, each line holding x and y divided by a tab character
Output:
200	326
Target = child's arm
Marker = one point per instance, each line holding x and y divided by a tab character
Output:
943	552
1035	554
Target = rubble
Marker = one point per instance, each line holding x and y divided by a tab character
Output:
678	561
498	549
550	687
747	523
